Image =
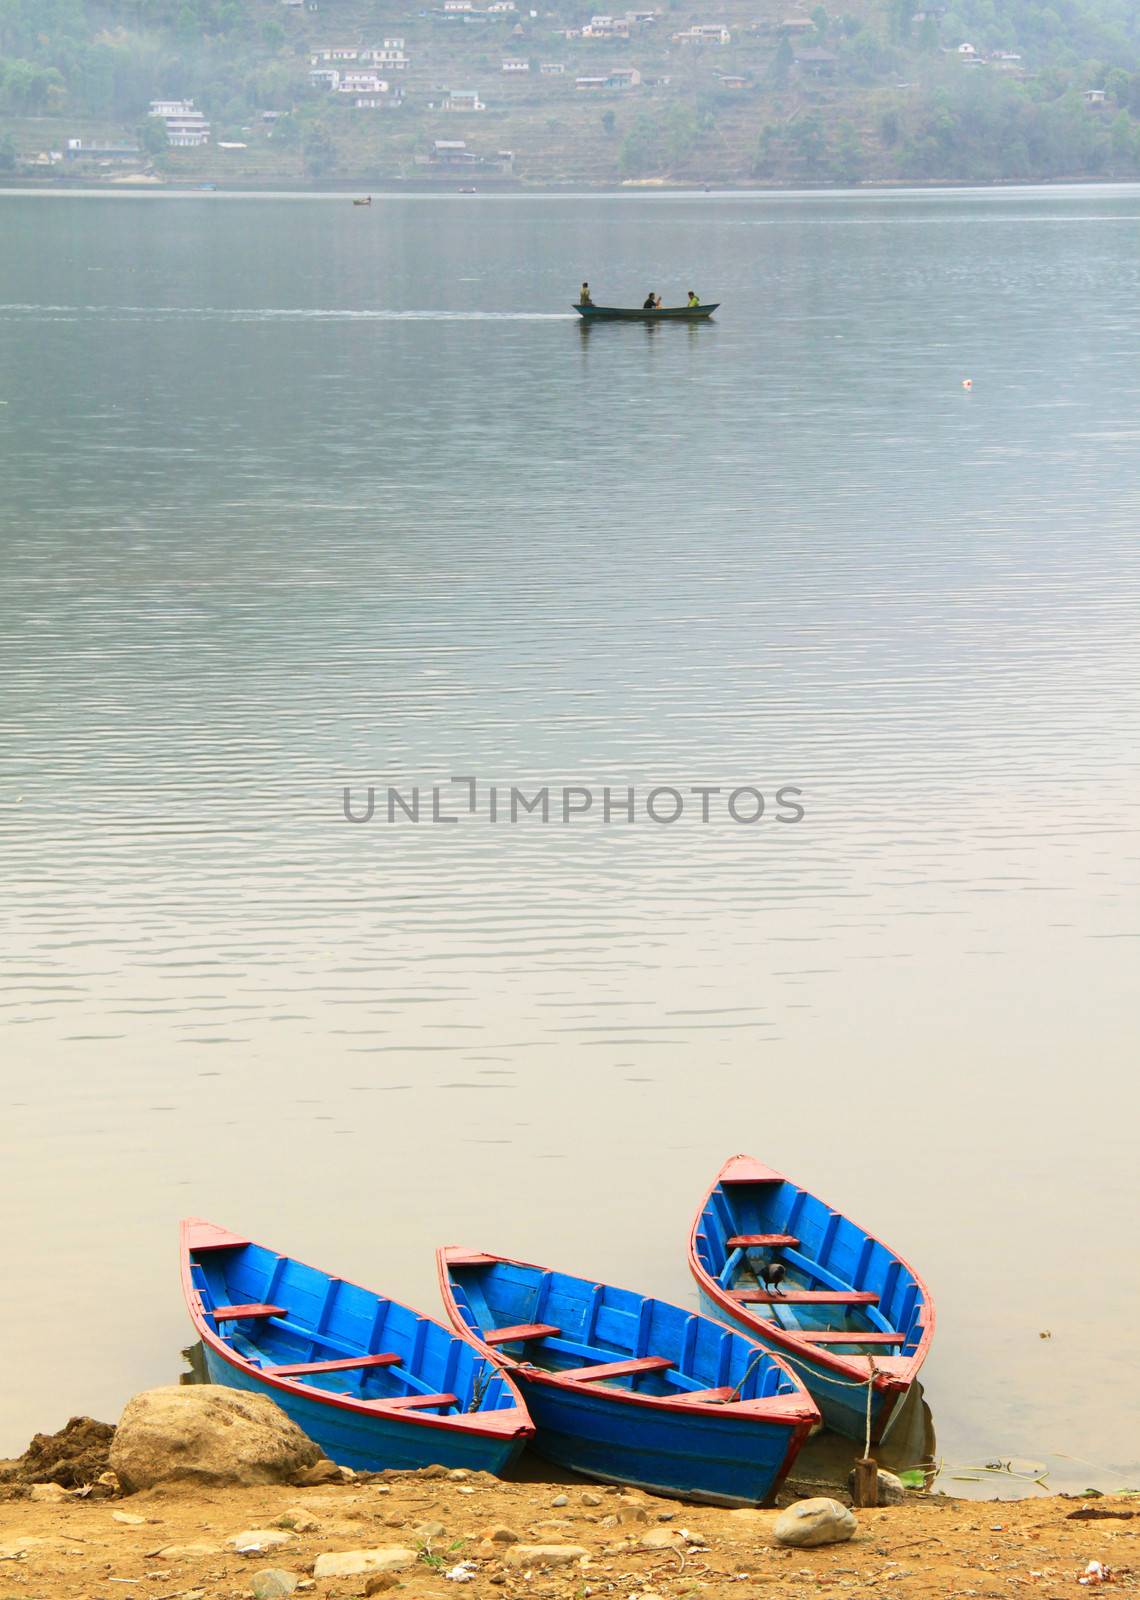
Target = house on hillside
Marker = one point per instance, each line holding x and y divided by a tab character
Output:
390	56
815	63
591	85
516	65
623	78
324	77
551	69
92	150
363	83
452	153
1095	97
462	100
186	127
704	33
793	26
338	53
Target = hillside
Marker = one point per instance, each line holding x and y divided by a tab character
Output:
973	90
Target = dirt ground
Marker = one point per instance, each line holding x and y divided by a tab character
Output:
173	1542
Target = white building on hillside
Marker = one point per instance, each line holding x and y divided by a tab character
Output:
390	55
704	33
186	127
362	83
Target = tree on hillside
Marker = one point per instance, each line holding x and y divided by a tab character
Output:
152	136
319	151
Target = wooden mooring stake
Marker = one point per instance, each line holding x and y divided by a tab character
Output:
866	1490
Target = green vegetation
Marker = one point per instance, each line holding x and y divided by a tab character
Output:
879	90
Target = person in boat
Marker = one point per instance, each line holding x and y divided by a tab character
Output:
693	301
584	296
652	302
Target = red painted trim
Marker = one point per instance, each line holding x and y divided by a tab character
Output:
385	1358
207	1236
799	1410
246	1312
904	1369
487	1425
615	1369
521	1333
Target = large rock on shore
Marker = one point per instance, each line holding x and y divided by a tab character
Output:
816	1521
205	1434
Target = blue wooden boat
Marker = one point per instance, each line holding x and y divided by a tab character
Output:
592	313
632	1390
782	1266
374	1383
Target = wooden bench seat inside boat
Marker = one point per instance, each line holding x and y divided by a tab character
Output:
705	1397
410	1402
760	1241
850	1336
236	1313
806	1297
386	1358
524	1330
617	1369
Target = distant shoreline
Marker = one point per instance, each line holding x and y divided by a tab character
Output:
431	187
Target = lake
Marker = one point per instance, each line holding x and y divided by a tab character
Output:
300	497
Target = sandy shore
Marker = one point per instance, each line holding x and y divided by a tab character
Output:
175	1542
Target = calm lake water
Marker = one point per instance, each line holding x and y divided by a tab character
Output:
298	496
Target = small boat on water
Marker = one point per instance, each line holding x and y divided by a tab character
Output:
374	1383
367	201
590	313
632	1390
782	1266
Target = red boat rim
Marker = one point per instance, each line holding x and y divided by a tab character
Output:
892	1373
799	1408
195	1233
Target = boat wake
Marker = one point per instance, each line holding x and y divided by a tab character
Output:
277	314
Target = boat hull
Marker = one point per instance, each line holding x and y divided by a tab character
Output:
718	1459
369	1443
373	1382
837	1281
663	314
842	1406
680	1406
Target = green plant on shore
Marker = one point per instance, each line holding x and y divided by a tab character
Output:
436	1559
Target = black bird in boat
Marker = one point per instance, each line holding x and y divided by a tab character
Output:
772	1274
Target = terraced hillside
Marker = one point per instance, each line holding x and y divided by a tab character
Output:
749	91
